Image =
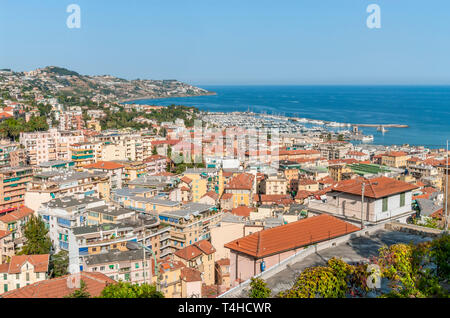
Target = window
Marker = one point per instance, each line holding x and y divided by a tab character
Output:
5	288
37	275
5	276
111	266
402	199
102	268
136	265
385	204
17	286
17	276
28	277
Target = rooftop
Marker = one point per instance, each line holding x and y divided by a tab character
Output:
291	236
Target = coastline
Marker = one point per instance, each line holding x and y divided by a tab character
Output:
130	100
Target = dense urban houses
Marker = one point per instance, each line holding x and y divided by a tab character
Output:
13	187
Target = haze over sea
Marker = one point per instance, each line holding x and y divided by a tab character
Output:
426	109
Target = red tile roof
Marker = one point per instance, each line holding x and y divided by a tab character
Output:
223	262
227	196
211	194
242	181
107	165
242	211
4	233
186	180
59	287
303	194
193	251
291	236
19	214
39	262
190	274
395	154
375	188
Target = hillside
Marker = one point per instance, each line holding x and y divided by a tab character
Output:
56	80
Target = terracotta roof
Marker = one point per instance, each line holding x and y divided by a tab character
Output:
227	196
198	248
4	233
375	188
205	246
16	215
242	181
40	263
59	287
211	194
395	154
356	153
242	211
303	194
190	274
108	165
165	174
291	236
186	180
306	182
223	262
5	115
154	158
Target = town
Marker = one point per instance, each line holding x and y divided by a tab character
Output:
194	204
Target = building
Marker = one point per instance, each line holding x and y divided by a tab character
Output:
61	287
239	191
6	246
114	170
13	187
128	266
200	256
396	159
384	199
274	185
334	149
49	185
155	164
254	253
12	155
23	270
85	153
49	145
14	222
63	214
191	223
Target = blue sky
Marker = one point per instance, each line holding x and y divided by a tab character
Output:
233	41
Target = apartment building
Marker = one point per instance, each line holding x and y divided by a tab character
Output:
191	223
155	164
334	149
6	246
12	155
200	256
49	145
63	214
85	153
128	266
13	186
396	159
71	120
49	185
114	170
14	222
239	191
274	184
23	270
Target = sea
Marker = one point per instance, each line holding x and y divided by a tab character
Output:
425	109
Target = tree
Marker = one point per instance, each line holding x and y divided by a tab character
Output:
154	151
59	263
37	239
128	290
259	289
81	292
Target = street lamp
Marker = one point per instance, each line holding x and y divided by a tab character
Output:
132	245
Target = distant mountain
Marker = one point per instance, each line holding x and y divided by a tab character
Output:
58	80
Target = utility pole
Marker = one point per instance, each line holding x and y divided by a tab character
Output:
363	185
